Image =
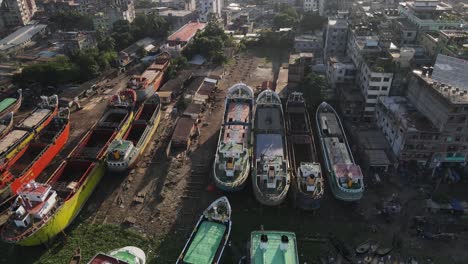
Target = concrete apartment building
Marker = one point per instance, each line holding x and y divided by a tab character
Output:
448	42
431	125
209	8
17	12
115	10
309	43
297	66
429	14
336	37
375	79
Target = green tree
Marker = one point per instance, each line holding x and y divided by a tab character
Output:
121	34
284	21
145	4
71	20
312	21
150	25
59	70
106	43
175	66
312	88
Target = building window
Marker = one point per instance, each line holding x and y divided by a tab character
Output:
384	88
372	96
386	79
373	88
375	79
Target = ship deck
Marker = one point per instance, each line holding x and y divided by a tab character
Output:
113	118
67	178
206	243
273	254
7	102
269	145
301	149
93	145
238	112
35	118
11	139
146	112
268	119
26	159
135	132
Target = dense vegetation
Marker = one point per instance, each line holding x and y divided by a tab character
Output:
210	43
151	25
71	21
312	87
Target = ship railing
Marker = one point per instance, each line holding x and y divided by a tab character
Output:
35	225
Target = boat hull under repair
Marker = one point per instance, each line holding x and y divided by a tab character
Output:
210	236
76	178
339	160
307	180
270	175
137	138
231	167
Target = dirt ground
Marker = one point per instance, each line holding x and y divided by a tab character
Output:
176	189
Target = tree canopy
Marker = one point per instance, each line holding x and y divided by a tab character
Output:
287	16
312	88
312	21
209	43
60	70
150	25
71	20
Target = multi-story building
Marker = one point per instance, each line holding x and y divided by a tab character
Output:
309	43
340	71
375	79
430	14
336	37
179	39
17	12
431	125
178	18
208	9
115	10
448	42
404	32
362	42
310	5
298	64
75	41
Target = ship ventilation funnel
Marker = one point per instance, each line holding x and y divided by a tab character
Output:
284	243
263	242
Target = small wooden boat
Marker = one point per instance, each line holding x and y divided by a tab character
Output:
210	236
6	123
125	255
76	259
11	104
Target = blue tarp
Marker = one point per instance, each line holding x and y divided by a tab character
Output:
456	205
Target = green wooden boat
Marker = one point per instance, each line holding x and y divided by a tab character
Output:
273	247
210	236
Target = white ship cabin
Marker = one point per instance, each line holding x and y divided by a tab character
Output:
34	201
233	149
271	166
119	150
309	174
349	176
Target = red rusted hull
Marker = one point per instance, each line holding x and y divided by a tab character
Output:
40	154
43	161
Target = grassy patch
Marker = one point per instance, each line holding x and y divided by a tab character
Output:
90	238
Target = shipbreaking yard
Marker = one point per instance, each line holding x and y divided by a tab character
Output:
162	198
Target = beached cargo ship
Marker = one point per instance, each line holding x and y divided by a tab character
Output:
210	236
232	161
270	176
344	175
123	153
125	255
26	129
11	104
34	158
58	201
273	247
307	180
146	84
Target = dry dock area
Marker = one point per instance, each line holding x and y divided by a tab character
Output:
163	196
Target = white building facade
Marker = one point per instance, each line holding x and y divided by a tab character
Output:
310	5
374	84
207	8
